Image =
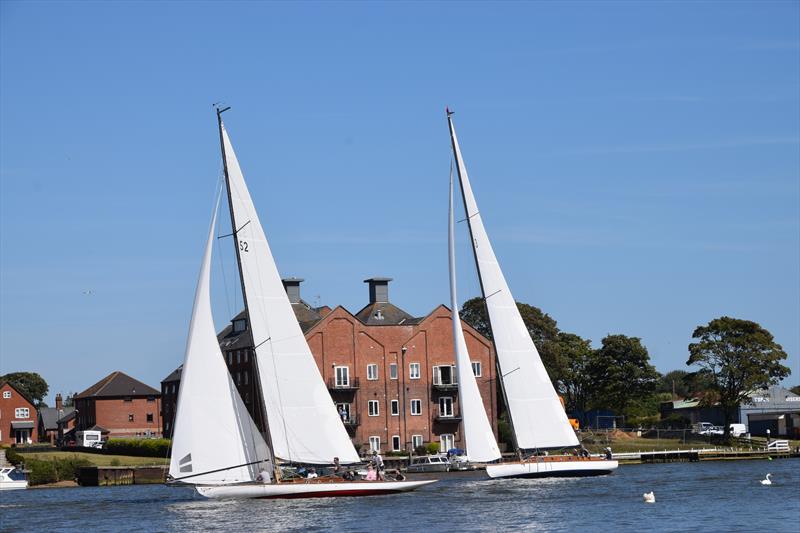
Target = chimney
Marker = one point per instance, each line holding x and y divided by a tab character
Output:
292	288
378	290
59	402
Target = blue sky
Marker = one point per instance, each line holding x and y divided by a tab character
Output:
637	164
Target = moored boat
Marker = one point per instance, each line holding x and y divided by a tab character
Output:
12	479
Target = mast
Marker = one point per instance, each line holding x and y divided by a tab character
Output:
459	163
256	381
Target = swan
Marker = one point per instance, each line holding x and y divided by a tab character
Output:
767	480
649	497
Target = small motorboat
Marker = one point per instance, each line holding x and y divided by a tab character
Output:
429	463
12	479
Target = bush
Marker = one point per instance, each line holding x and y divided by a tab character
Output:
432	447
14	457
54	470
138	447
420	450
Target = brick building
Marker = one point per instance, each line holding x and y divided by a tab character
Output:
391	375
17	417
53	421
119	406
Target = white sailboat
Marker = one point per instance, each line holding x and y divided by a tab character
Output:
537	418
481	446
216	445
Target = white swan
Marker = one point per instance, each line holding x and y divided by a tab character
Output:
649	497
767	480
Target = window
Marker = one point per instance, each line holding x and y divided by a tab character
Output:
22	412
416	407
416	441
446	407
444	375
373	408
246	377
342	376
246	355
447	442
230	358
396	443
395	407
166	426
130	418
476	368
372	372
238	356
238	378
344	411
6	394
413	371
149	417
392	370
239	325
374	444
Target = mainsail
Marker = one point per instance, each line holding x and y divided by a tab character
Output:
214	439
537	417
481	445
303	423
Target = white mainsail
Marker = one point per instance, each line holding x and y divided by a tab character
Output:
537	417
212	431
303	423
481	445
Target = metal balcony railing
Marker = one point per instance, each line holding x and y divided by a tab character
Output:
447	416
351	385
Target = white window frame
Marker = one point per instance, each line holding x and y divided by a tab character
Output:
446	401
477	364
437	375
374	443
345	374
392	370
395	408
396	439
6	394
417	440
414	371
376	411
442	438
22	412
372	372
419	407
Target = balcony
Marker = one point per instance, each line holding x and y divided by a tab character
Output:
352	385
351	421
444	387
447	417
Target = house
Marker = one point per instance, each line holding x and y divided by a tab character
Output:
17	417
120	407
391	375
53	418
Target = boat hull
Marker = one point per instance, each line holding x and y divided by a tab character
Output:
310	489
552	468
13	484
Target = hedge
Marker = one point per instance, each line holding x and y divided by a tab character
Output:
138	447
53	470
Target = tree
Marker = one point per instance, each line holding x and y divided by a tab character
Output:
621	373
795	389
740	356
576	383
542	328
30	384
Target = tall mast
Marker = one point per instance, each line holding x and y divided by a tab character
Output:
459	163
258	399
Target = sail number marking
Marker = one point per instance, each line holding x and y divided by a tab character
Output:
243	246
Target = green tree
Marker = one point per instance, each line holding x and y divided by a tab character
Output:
676	383
30	384
576	383
795	389
621	373
740	356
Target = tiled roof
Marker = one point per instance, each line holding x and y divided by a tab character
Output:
51	415
174	376
118	384
383	314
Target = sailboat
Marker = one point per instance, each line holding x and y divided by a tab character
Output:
216	445
537	418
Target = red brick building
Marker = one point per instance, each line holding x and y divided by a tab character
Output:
119	406
18	417
391	375
53	421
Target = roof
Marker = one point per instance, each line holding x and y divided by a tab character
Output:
383	314
24	396
51	415
174	376
118	384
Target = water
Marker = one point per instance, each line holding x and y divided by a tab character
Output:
707	496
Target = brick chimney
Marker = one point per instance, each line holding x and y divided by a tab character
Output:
378	290
59	402
292	288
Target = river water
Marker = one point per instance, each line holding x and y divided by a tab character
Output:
706	496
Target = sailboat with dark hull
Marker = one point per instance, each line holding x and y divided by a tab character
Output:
536	416
302	425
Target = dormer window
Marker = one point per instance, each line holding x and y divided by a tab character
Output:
239	325
379	315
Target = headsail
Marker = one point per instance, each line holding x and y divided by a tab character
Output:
303	423
481	445
212	431
538	419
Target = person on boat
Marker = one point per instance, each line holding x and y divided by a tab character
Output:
609	455
378	461
312	473
264	476
584	451
337	468
371	474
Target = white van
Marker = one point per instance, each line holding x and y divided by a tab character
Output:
737	430
89	439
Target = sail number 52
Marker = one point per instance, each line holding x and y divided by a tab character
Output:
243	246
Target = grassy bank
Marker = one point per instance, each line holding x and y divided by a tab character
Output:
93	459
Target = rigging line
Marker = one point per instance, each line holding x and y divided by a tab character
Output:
217	470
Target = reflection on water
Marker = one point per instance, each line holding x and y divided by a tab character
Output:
708	496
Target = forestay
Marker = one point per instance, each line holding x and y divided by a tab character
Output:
303	423
538	419
481	445
212	430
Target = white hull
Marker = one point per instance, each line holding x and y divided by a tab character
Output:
552	468
13	484
310	489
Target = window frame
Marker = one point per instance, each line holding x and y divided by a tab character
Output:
18	412
346	374
6	394
418	404
415	439
398	447
480	369
394	408
377	410
372	440
393	371
411	371
372	372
